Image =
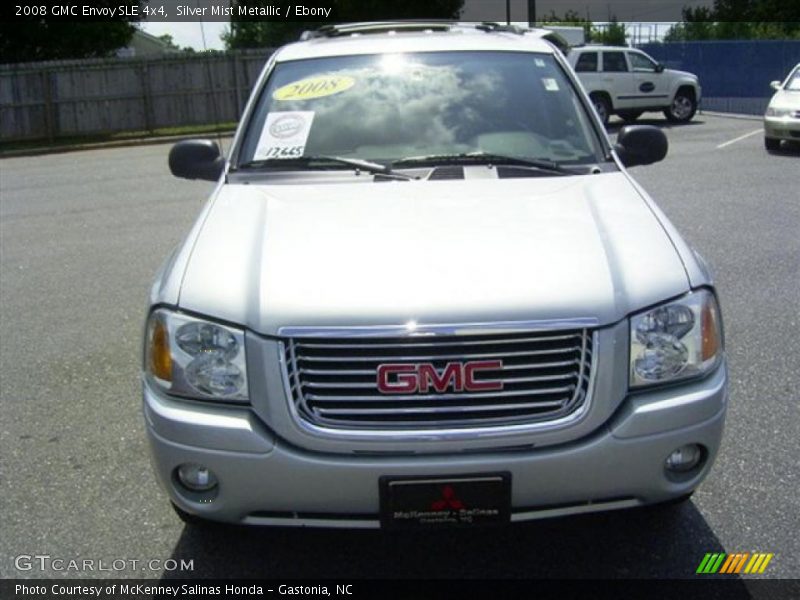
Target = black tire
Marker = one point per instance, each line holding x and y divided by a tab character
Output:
629	116
602	106
190	519
771	144
683	106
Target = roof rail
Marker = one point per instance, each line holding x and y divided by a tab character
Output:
378	27
490	27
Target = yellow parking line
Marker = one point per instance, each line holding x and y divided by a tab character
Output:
741	137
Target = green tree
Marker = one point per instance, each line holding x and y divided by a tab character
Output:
570	19
613	34
248	32
739	20
610	34
48	39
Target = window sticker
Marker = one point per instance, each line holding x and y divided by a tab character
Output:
539	62
284	135
550	84
313	87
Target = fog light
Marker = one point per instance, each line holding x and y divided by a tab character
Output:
197	477
684	458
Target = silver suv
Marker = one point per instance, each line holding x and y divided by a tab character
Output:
425	291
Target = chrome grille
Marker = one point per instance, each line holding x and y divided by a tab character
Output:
333	381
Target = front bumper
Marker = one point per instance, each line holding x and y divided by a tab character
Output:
782	128
263	480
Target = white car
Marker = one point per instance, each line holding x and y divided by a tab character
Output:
627	82
782	121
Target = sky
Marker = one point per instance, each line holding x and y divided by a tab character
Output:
188	33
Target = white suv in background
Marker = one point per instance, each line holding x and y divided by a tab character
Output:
628	82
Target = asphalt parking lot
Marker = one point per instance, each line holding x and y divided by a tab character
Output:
81	235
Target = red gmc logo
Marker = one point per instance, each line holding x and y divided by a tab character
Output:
396	378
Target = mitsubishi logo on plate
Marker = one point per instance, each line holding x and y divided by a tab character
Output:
422	378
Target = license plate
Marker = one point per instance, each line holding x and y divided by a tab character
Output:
468	500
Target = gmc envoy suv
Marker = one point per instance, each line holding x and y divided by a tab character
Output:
425	291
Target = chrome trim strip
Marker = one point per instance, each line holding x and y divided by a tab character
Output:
441	434
415	329
347	359
466	395
371	384
522	367
480	342
424	410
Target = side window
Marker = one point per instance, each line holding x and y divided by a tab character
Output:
614	62
639	62
587	62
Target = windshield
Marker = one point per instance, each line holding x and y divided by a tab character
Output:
793	82
385	108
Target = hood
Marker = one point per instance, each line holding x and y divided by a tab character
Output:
682	74
786	100
433	252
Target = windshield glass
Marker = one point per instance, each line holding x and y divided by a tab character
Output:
793	83
384	108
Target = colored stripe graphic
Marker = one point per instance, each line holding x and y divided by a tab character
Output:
729	562
720	562
704	563
740	564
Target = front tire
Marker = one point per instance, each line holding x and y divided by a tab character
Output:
772	144
602	106
683	107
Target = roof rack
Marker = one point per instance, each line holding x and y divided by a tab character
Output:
328	31
378	27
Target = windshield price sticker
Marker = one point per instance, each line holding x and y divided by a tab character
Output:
551	85
284	135
313	87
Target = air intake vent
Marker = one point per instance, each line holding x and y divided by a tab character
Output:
447	172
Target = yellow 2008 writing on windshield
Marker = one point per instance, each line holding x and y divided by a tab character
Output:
314	87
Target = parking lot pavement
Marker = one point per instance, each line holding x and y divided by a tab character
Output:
81	235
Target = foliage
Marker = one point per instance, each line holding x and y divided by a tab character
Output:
37	38
613	34
739	20
610	34
251	33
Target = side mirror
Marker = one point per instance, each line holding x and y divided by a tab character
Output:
641	145
775	85
196	159
659	68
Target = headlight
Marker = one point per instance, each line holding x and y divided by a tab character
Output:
192	357
675	341
778	112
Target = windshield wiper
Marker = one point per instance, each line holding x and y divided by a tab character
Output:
484	158
307	161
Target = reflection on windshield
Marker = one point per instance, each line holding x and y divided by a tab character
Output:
388	107
794	82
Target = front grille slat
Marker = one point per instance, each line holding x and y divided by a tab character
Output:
466	395
432	409
544	376
429	344
373	372
419	357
